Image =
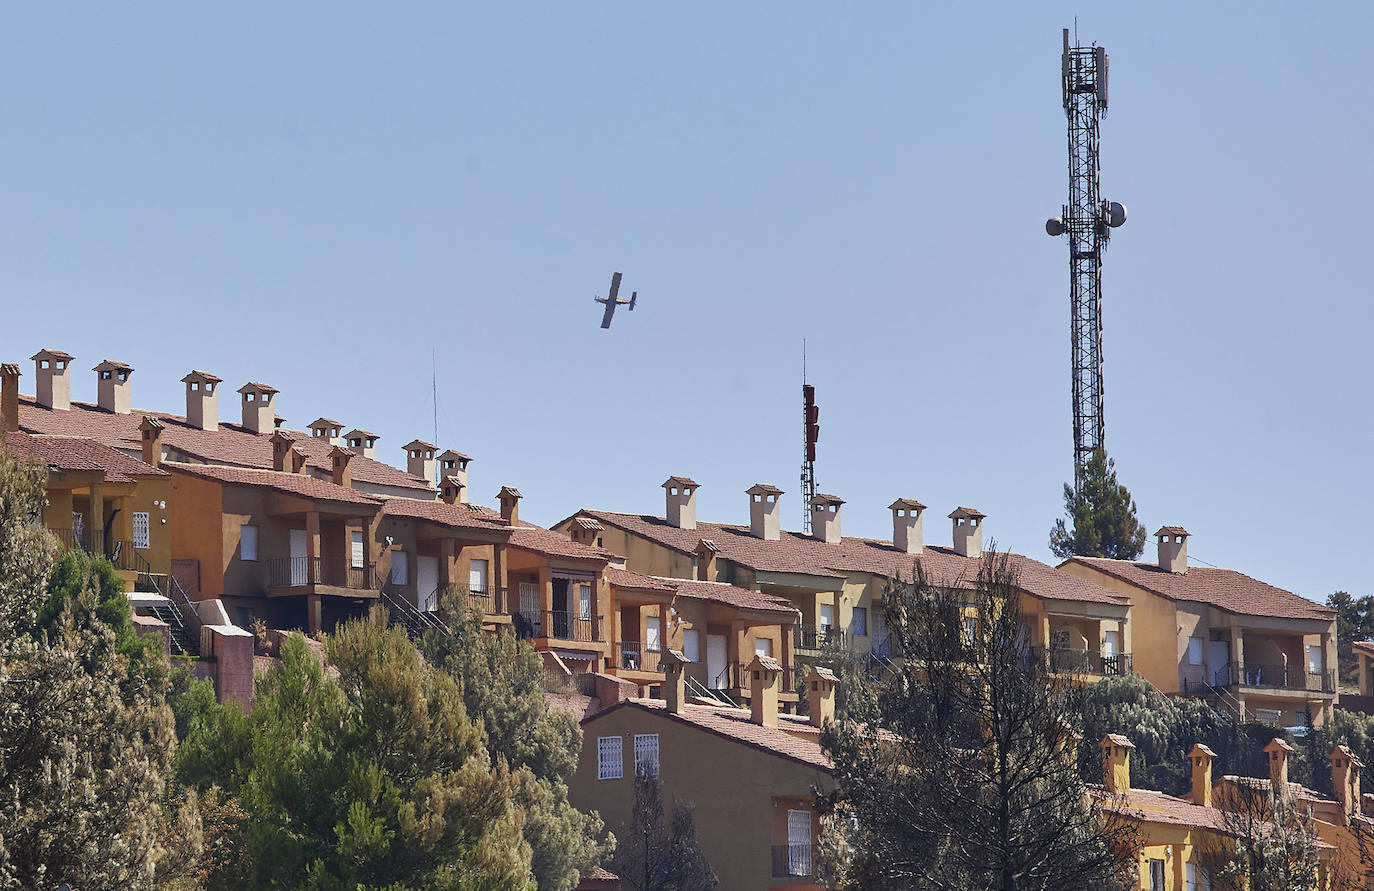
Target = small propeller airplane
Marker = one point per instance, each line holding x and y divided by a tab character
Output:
613	301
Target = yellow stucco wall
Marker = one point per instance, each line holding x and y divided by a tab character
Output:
1154	628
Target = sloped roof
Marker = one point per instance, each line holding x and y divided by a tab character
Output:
720	592
734	724
79	454
624	578
1223	588
230	444
287	483
471	516
539	540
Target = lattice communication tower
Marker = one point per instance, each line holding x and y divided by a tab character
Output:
1088	220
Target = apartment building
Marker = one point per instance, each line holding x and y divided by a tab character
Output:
836	583
749	774
1256	649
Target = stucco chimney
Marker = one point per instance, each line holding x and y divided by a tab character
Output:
907	536
9	396
1201	758
509	497
282	444
362	442
681	494
825	518
327	429
453	490
673	664
112	386
1345	782
150	431
820	695
420	459
342	462
1173	548
968	531
453	464
52	369
258	415
764	674
1116	763
202	400
706	560
765	520
298	459
584	531
1278	752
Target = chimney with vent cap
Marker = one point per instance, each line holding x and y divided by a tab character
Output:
453	491
825	518
52	369
420	459
1201	758
706	560
1278	752
9	397
682	502
765	519
820	695
1173	548
1345	782
907	536
453	465
112	386
764	678
258	414
329	430
282	444
968	532
509	497
1116	763
150	433
342	462
584	531
202	400
362	442
674	664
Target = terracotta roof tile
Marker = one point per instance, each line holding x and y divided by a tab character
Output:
720	592
735	724
763	489
287	483
906	504
1223	588
51	354
552	544
681	482
201	377
624	578
1170	530
112	365
966	513
469	516
230	444
78	454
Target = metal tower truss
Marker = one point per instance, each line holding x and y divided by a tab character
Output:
1088	222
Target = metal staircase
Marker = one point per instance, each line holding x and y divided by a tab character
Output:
700	691
414	621
185	639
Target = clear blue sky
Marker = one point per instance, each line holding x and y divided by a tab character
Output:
316	194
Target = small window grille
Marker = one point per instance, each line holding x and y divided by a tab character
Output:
610	759
646	754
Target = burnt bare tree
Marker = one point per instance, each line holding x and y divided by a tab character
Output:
1266	842
956	771
654	855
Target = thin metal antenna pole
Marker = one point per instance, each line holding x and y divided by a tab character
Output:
434	388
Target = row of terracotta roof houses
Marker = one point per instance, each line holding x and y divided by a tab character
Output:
663	621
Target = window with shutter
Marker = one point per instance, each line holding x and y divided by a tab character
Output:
691	644
400	569
651	635
248	542
477	576
356	549
141	531
610	760
584	601
646	754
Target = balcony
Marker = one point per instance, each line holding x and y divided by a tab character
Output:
795	860
560	625
309	572
1083	661
488	599
1274	677
809	640
635	656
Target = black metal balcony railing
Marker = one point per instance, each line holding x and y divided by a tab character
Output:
1082	661
299	572
92	541
1274	677
794	860
728	678
811	639
461	596
563	625
629	654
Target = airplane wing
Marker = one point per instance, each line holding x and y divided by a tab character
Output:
615	287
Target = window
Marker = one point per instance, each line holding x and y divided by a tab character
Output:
400	569
763	647
356	549
858	624
970	630
1156	874
141	531
1270	716
584	601
477	576
610	761
646	754
651	635
1196	878
827	617
1110	641
248	542
243	616
691	644
1314	659
1194	651
798	843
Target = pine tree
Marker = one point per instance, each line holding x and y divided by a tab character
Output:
655	856
1103	516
